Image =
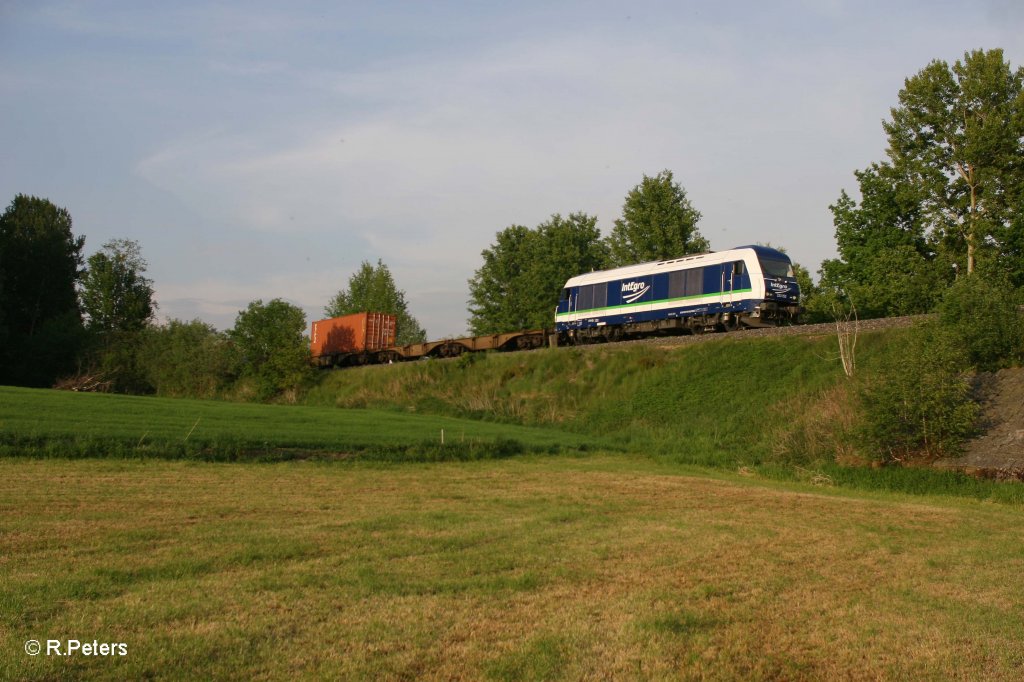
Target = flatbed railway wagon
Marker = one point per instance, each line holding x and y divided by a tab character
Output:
369	339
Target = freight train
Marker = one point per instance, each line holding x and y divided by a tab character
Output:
749	286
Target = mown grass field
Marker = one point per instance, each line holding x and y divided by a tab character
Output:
606	567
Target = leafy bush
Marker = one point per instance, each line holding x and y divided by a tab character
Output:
119	358
271	348
189	360
982	314
919	403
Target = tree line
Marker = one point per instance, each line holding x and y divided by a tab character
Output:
90	324
948	201
946	204
94	327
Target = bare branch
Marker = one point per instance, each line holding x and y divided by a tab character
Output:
847	330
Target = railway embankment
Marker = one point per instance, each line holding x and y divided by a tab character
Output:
776	397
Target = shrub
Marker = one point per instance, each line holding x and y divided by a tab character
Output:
189	359
982	315
919	404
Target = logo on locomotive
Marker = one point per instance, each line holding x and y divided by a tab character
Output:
634	291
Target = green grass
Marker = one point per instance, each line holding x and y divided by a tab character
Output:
892	479
727	403
780	407
554	568
713	545
60	424
777	407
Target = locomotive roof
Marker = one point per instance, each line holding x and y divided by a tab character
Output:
640	269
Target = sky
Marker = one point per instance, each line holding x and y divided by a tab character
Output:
263	150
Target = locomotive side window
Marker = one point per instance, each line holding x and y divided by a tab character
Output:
676	284
585	301
592	296
738	267
565	295
683	283
694	282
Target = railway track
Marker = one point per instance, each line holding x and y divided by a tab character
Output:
824	329
666	341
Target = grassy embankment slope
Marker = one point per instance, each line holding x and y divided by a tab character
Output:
780	406
726	402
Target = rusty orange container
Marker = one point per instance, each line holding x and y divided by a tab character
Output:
354	333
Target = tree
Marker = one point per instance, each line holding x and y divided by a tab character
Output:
888	264
517	286
117	300
496	303
958	136
39	269
373	289
271	348
810	296
116	297
658	221
568	247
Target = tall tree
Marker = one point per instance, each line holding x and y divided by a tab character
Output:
658	221
39	269
566	247
373	289
958	134
518	285
271	347
496	300
116	296
888	264
41	261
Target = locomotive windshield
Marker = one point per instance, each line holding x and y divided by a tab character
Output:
776	268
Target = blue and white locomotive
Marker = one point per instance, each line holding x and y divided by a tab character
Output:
749	286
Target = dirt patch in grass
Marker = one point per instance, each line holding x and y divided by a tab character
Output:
999	451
